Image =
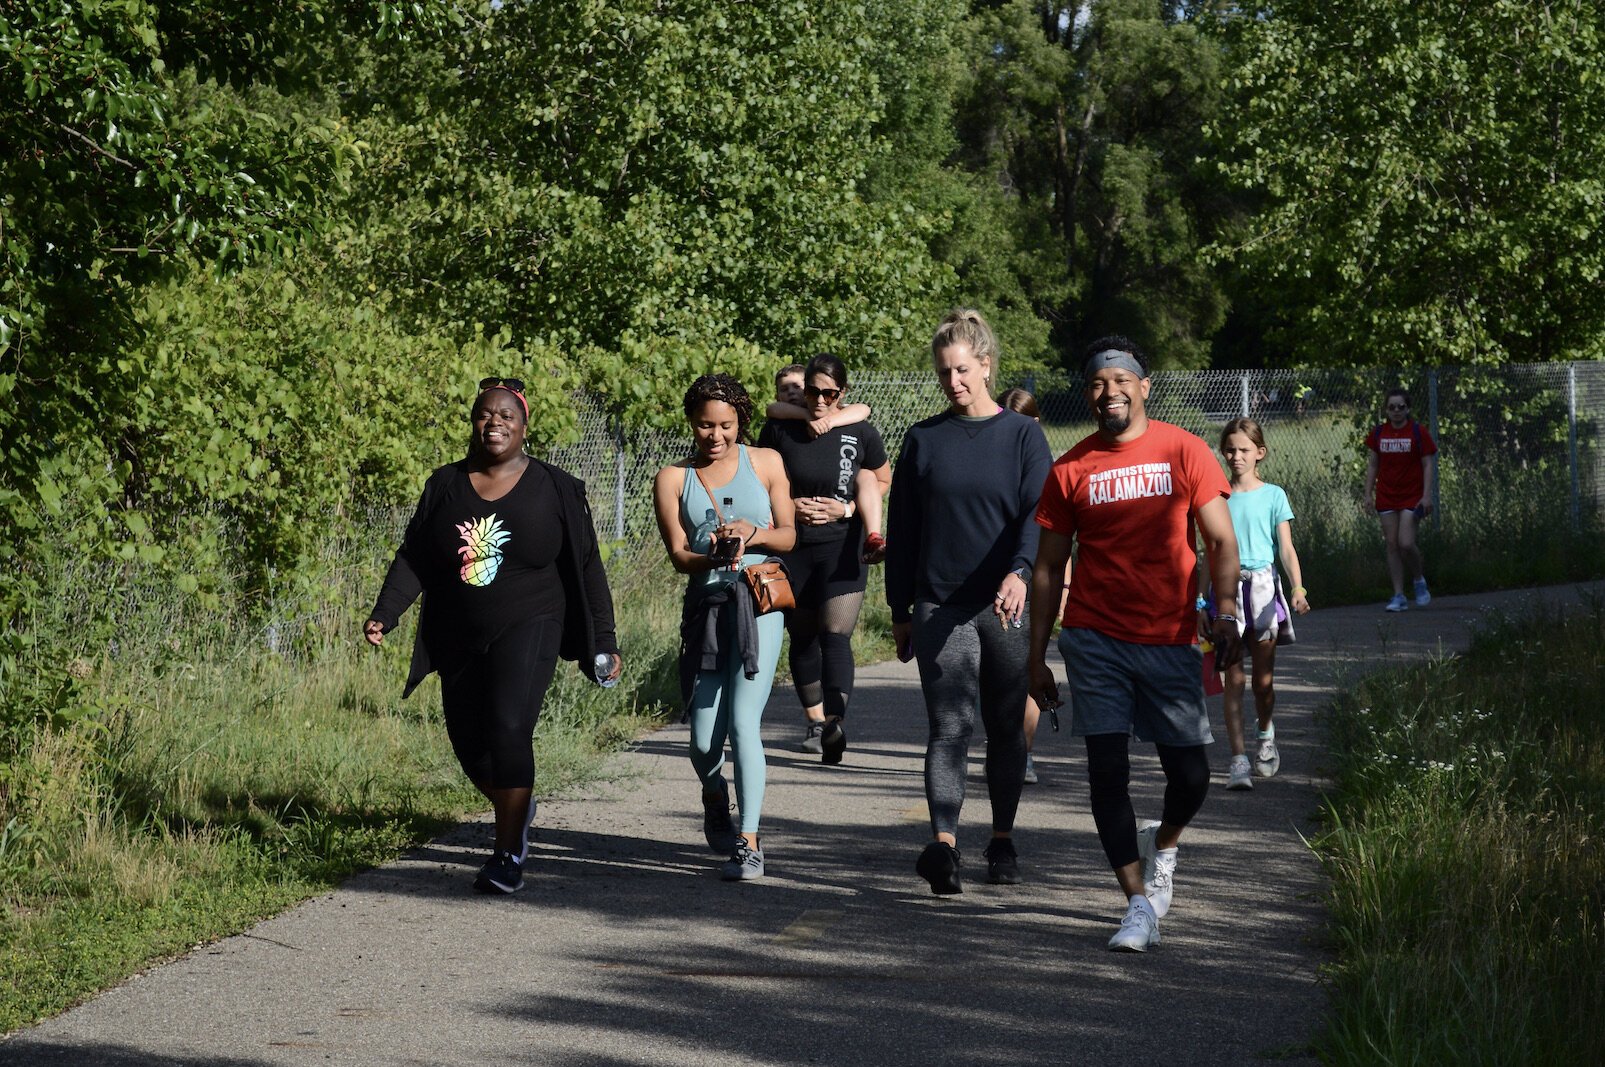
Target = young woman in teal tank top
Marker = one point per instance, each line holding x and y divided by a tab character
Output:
726	490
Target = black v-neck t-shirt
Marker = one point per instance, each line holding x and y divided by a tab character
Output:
493	561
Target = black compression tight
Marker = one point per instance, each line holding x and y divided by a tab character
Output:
1109	774
492	701
822	652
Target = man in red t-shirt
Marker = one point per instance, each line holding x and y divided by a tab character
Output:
1131	496
1399	475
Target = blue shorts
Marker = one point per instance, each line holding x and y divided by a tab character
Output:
1154	692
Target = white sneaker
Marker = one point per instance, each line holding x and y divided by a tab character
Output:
1240	775
1398	603
1158	868
1423	597
1267	761
1138	930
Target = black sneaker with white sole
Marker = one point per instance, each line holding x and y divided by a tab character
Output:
502	873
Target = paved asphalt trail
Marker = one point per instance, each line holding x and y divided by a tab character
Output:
625	948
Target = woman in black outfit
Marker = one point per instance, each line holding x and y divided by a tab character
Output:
828	572
961	541
504	546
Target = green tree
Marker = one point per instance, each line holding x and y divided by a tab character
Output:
1083	119
613	175
127	162
1430	177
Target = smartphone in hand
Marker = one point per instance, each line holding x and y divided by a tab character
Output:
724	550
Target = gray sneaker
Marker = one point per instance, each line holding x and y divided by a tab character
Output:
744	864
813	738
1030	771
1267	761
1239	775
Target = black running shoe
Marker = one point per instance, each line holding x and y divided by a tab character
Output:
717	826
1002	862
939	865
811	736
833	742
502	873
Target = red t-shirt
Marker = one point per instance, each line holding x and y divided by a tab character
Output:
1131	508
1400	484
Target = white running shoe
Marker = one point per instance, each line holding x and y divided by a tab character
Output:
1423	597
1267	761
1398	603
1138	930
1158	868
1240	775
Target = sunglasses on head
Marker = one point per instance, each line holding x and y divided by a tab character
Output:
515	384
811	391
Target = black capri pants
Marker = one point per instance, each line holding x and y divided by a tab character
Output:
492	701
828	580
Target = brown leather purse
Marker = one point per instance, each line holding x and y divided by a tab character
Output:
770	585
769	582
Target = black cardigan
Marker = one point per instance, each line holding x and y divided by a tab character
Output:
587	616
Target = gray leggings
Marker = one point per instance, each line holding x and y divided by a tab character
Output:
966	659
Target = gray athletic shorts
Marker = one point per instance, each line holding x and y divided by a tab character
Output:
1154	692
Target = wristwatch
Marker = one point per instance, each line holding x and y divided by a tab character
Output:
1023	573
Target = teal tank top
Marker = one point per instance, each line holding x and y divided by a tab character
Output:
749	500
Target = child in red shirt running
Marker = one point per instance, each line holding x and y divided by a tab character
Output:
1399	476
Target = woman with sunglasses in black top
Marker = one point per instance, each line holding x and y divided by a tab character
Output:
505	548
828	569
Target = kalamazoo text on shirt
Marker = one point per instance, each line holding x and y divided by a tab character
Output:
1129	483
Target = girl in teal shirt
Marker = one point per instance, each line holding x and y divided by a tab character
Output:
1263	521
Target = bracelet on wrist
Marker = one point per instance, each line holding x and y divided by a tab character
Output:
1226	616
1299	590
1200	604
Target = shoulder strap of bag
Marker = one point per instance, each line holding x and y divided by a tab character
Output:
698	472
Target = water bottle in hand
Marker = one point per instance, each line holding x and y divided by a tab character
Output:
604	666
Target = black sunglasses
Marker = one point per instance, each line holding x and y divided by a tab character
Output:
811	391
1398	407
515	384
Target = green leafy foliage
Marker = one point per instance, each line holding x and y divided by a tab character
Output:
621	176
126	165
1429	174
1082	123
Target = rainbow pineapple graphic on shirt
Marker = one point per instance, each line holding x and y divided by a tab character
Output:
482	549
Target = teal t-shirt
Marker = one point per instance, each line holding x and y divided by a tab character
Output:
1255	515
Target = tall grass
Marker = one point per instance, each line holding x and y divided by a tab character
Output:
1466	846
223	770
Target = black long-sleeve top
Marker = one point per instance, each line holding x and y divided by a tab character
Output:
963	506
587	603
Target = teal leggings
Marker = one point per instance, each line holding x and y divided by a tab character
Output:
726	703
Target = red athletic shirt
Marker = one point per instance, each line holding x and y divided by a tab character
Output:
1400	484
1131	508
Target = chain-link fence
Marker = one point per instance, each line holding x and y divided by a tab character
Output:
1519	445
